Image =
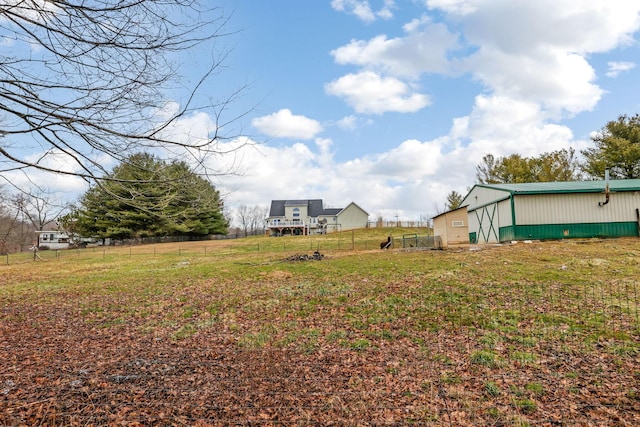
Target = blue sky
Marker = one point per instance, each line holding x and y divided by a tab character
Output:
392	103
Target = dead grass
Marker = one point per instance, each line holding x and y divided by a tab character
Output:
543	333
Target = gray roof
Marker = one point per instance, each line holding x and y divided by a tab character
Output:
567	187
314	207
332	211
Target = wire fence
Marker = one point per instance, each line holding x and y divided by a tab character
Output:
344	241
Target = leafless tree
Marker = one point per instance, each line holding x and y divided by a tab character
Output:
15	232
87	83
251	218
38	209
258	215
9	240
242	217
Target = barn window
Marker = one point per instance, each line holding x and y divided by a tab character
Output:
457	223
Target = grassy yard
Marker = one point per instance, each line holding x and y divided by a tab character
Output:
241	332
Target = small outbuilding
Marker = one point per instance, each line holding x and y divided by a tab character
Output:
553	210
452	227
52	239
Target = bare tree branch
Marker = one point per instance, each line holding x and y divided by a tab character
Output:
93	80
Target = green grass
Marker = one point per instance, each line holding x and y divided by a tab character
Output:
491	389
484	357
416	291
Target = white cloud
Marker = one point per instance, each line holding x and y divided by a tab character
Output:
380	184
502	126
406	181
615	68
362	9
193	129
348	122
560	81
571	25
283	124
31	11
456	7
63	186
410	180
369	93
538	51
411	160
423	50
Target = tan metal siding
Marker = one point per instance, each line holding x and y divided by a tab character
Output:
449	233
575	208
504	213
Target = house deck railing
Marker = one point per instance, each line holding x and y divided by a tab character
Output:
285	223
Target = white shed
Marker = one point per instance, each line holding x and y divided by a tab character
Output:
553	210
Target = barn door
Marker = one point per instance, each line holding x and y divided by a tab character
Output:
487	217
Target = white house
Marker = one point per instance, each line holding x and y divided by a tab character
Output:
303	217
553	210
52	239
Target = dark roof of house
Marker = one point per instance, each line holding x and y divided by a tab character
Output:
332	211
314	207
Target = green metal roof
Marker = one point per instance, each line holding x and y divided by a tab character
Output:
567	187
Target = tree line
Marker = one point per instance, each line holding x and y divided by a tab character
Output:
616	148
143	197
146	196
